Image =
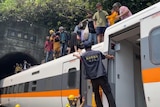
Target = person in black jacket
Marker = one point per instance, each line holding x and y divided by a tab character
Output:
73	43
92	37
95	71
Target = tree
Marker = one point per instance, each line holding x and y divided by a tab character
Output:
54	13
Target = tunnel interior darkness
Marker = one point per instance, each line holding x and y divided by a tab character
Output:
8	62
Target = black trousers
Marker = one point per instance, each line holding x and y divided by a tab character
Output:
103	82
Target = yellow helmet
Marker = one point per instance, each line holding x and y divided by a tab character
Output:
17	105
67	105
71	97
51	31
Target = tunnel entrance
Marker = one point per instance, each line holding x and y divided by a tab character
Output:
8	62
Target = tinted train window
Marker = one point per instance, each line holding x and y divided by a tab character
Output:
10	90
72	78
1	91
34	83
15	88
33	88
154	43
6	90
20	88
26	87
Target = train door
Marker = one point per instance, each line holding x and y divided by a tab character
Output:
124	80
70	79
125	70
150	56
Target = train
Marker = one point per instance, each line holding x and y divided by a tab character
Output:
134	74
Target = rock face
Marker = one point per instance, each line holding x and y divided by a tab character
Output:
20	41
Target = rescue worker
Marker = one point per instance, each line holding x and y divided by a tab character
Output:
17	105
73	101
57	45
95	71
52	35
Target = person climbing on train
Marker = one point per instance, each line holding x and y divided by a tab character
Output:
95	71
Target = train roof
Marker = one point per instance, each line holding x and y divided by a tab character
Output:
45	70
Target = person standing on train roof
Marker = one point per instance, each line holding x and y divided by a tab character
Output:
124	12
48	49
95	71
112	18
63	40
52	35
100	22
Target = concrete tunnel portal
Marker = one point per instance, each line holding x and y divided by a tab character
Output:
8	61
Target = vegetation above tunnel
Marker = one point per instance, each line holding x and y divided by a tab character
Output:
53	13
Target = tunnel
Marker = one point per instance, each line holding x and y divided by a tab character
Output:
8	61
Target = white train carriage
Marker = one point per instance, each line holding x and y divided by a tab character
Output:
47	85
134	74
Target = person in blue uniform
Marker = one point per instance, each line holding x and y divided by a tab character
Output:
95	71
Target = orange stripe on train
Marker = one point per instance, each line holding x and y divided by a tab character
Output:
57	93
151	75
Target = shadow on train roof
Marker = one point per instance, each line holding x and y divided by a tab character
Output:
8	62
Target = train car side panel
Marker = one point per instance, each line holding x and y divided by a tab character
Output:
150	56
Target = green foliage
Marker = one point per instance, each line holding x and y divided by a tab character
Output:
54	13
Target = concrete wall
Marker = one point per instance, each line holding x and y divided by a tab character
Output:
22	37
20	41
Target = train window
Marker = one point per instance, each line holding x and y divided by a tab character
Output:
34	83
21	88
72	77
15	88
34	88
1	91
154	39
36	72
10	90
26	87
6	90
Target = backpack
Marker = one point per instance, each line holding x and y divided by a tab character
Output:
65	37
